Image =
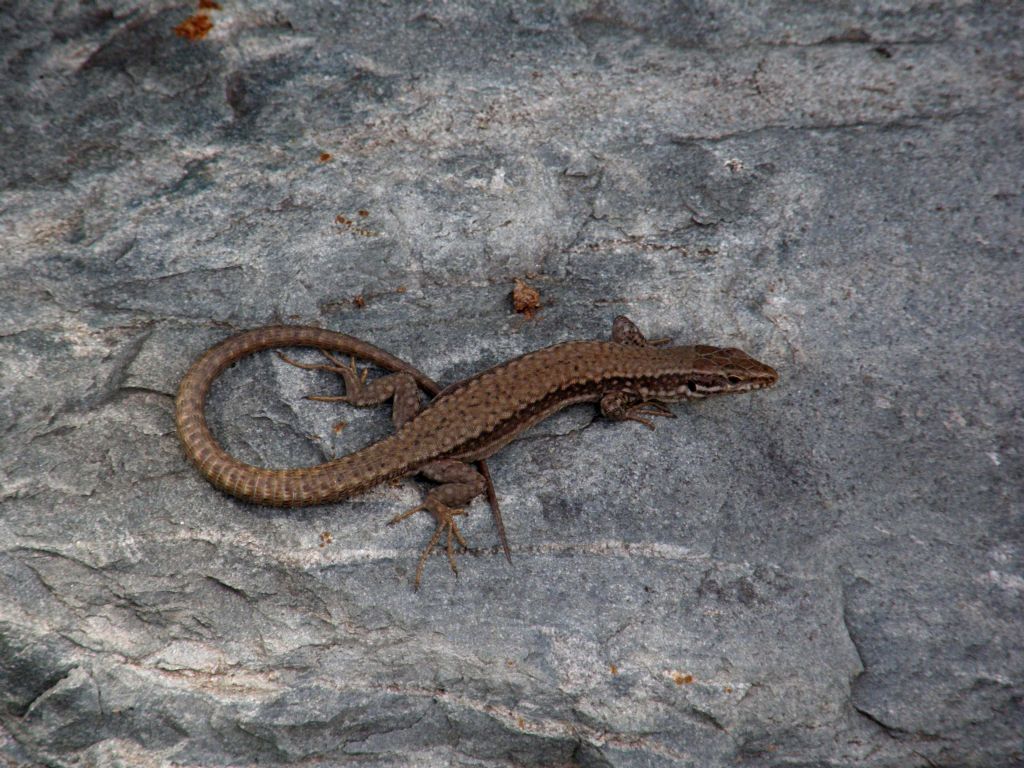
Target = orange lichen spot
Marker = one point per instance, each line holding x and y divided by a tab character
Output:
325	157
339	425
208	5
680	678
614	669
401	289
195	27
525	299
363	212
359	301
325	539
727	689
521	723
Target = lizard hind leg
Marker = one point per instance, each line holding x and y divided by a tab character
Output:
461	483
354	379
400	388
445	517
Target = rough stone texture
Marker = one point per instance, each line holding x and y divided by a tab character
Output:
829	573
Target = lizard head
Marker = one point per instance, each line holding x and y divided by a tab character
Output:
705	370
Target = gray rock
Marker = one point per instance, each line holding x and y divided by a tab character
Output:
827	573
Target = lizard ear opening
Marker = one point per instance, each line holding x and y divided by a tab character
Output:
624	331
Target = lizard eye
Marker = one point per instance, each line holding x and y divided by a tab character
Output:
734	379
691	386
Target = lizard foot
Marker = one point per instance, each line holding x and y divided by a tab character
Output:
354	378
445	517
649	408
621	406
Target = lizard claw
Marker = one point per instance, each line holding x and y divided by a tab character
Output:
655	408
648	408
343	370
328	398
445	517
354	378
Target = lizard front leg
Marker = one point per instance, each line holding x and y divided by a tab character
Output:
624	331
460	484
621	406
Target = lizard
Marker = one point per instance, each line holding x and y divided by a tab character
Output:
630	377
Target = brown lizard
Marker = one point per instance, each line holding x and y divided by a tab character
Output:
630	377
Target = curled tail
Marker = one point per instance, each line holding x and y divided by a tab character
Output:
321	484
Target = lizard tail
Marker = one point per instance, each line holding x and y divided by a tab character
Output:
321	484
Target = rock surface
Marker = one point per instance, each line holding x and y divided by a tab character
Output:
827	573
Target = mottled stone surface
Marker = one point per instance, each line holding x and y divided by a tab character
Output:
827	573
